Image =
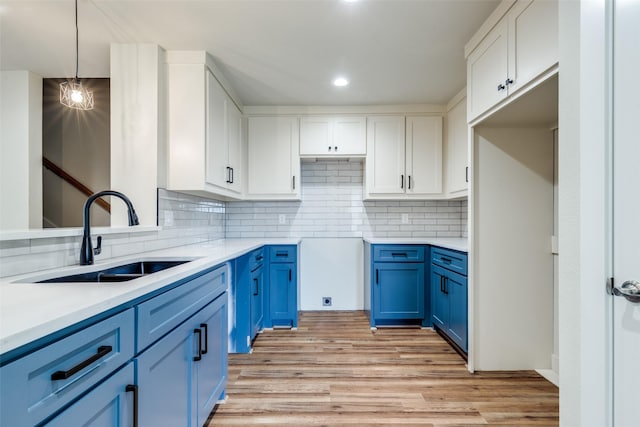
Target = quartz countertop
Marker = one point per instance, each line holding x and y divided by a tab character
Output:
455	243
30	311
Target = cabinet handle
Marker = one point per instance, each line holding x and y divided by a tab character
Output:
446	282
206	337
103	350
402	254
231	176
199	356
446	260
282	254
466	174
228	175
377	277
134	388
289	274
259	258
255	282
329	148
335	148
508	81
501	87
441	284
409	186
401	181
294	182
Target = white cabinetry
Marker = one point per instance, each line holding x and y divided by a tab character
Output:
404	157
457	140
333	136
520	47
204	147
273	158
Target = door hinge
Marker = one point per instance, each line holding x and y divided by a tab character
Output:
610	286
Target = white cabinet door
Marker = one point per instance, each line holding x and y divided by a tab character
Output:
350	136
333	136
457	151
315	136
216	125
273	158
533	40
487	70
385	160
234	139
423	161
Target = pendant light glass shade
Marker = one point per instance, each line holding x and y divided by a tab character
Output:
72	93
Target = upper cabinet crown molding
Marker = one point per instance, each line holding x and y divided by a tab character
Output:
335	110
516	52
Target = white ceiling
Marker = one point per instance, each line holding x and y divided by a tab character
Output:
273	52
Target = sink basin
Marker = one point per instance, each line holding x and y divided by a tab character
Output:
120	273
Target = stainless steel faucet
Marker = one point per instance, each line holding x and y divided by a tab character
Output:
87	251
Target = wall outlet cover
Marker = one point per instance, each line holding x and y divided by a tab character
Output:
326	301
282	219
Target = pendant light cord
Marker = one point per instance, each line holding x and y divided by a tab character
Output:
77	54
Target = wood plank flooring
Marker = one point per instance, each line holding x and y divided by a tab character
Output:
335	371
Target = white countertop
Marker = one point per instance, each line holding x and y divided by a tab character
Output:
455	243
29	311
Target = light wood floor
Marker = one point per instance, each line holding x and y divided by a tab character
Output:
335	371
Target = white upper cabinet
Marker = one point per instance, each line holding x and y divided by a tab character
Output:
333	136
521	46
273	158
404	157
204	147
457	139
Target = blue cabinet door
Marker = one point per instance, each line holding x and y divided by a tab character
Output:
398	290
108	405
210	372
456	287
257	301
439	299
283	294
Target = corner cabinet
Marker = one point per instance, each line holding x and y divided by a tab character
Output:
397	285
404	157
273	158
204	144
333	136
519	48
449	303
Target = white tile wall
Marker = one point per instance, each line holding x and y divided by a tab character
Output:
332	206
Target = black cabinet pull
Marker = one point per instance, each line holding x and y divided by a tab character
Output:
231	175
199	356
401	181
103	350
402	254
335	148
377	277
259	258
206	337
441	284
409	177
501	87
255	282
446	260
282	254
134	388
329	148
294	182
466	174
446	282
508	81
289	274
228	175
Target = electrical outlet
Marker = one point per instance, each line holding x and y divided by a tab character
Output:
405	218
282	219
326	301
168	218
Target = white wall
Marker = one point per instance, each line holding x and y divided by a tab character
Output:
584	307
331	268
20	150
137	127
513	265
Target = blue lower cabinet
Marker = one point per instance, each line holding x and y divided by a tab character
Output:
449	301
181	377
398	291
257	300
111	404
282	307
248	295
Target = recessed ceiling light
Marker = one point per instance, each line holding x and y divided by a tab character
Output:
340	81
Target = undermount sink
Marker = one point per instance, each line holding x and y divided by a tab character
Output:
120	273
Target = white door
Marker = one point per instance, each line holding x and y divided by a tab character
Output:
626	213
385	160
423	162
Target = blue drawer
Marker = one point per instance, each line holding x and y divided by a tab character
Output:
161	314
34	386
398	253
283	253
256	258
449	259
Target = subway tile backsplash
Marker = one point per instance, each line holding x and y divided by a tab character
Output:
331	206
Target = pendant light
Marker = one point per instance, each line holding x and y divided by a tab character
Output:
72	93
